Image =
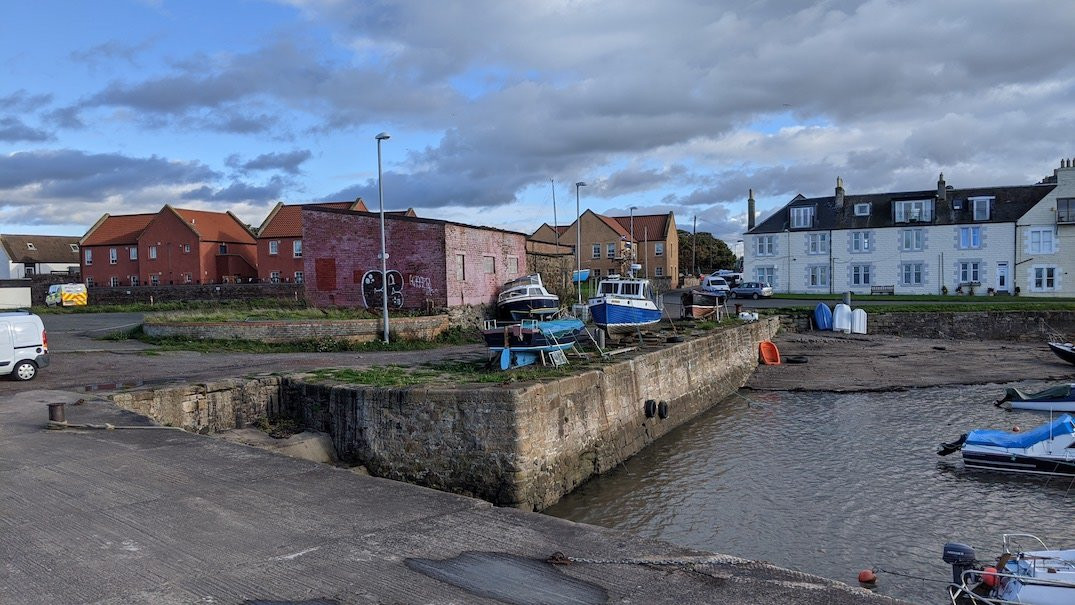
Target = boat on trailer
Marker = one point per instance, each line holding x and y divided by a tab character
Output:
624	305
526	298
1060	398
702	304
1048	449
1037	577
526	342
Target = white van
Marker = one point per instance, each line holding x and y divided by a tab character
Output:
66	295
712	283
24	346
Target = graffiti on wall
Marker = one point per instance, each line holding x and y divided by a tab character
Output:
422	283
373	289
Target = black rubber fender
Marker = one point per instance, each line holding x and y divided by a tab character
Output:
651	408
662	410
794	359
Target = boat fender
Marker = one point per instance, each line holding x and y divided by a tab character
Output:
650	408
867	576
662	409
1016	429
989	576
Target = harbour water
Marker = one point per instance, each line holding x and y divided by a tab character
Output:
831	484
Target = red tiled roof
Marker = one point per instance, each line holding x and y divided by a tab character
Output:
615	226
117	230
216	226
286	220
652	226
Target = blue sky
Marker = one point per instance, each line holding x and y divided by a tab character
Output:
123	106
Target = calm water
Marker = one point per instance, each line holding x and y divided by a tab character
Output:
832	484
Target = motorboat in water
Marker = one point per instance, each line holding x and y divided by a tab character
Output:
526	342
1048	449
526	298
623	305
1060	398
1036	577
1063	350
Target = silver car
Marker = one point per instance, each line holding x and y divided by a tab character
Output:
752	289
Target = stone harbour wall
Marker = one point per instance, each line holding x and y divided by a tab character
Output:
354	330
1024	326
206	408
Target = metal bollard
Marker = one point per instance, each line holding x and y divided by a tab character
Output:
56	415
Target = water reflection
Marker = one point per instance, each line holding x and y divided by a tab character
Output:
831	484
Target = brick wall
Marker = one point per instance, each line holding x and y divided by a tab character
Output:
555	270
490	258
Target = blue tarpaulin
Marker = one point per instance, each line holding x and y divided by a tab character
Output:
1061	426
577	276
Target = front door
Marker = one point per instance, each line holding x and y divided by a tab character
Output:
1002	277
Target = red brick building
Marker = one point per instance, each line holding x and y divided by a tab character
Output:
280	241
431	263
173	246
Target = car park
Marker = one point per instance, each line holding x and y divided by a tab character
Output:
752	289
24	346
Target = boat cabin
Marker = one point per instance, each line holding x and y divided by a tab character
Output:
626	287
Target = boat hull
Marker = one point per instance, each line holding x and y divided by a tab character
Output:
533	334
1014	463
698	304
1063	350
624	317
527	308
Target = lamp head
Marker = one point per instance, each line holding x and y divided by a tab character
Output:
383	136
580	184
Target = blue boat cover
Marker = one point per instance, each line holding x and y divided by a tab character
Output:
1062	425
557	328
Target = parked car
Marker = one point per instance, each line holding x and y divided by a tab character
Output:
712	283
24	347
752	289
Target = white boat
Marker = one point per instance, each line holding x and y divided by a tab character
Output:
1034	577
1060	398
1048	449
526	298
623	305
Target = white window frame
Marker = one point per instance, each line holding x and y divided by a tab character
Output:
912	274
186	248
152	253
765	274
802	217
133	279
296	248
860	241
74	248
596	251
861	275
658	248
818	243
862	209
610	250
916	239
920	210
134	252
981	207
658	271
274	277
1044	279
1040	246
299	277
89	282
188	278
274	247
113	256
970	272
970	238
765	245
113	281
89	256
818	277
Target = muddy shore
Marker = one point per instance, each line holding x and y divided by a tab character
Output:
853	362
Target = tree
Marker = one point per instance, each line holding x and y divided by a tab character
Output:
713	253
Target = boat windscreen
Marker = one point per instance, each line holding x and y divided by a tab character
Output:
630	289
607	288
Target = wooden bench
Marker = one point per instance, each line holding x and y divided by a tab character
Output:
882	289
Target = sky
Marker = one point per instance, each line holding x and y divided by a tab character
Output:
497	108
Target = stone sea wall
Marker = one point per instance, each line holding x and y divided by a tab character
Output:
354	330
1024	326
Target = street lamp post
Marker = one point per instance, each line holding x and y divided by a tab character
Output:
384	253
578	239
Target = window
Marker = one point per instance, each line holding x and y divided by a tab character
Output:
765	274
611	250
860	275
513	264
223	248
461	267
658	272
1065	209
1044	278
916	210
27	271
802	217
186	248
489	264
819	276
597	250
818	243
152	253
968	272
274	277
1041	241
658	248
860	241
274	247
296	248
134	253
30	246
862	210
89	282
911	274
597	273
74	248
155	280
113	281
911	239
970	237
298	277
187	277
765	245
134	280
113	256
981	207
89	256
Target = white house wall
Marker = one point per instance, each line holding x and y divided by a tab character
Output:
1062	257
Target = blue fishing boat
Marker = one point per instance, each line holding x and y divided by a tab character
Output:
524	343
623	305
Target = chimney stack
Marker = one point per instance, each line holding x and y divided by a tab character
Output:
942	190
839	192
750	210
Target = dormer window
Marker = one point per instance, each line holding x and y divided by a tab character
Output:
912	211
981	207
802	217
862	209
30	246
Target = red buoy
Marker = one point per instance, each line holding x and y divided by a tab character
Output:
989	576
866	576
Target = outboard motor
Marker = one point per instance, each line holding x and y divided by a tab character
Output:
960	557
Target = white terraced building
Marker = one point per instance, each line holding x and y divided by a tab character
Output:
973	241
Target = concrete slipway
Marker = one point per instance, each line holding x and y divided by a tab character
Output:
166	517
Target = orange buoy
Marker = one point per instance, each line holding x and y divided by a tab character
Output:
866	576
989	576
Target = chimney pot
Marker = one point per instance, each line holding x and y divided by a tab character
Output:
750	210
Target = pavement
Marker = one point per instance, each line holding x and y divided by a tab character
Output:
155	515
